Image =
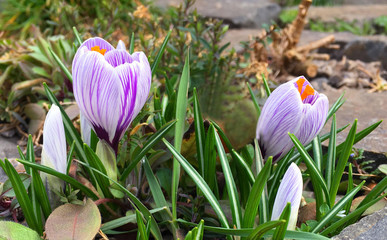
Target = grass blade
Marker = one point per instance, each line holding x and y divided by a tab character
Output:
263	228
254	99
160	53
230	183
331	160
317	152
353	216
131	44
268	92
76	33
199	134
263	204
315	174
255	195
339	102
344	156
22	197
61	65
181	108
336	208
279	232
62	176
243	165
200	183
147	146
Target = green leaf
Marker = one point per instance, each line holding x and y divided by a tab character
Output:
350	218
336	208
131	46
243	165
135	201
15	231
181	109
341	163
96	163
279	232
22	197
267	88
331	160
349	188
160	53
376	191
244	232
263	228
255	195
113	224
36	182
62	176
73	221
141	233
254	99
76	33
199	181
230	183
263	204
339	102
199	134
147	146
8	190
315	174
61	65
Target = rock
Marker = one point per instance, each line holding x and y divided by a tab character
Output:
347	13
8	147
368	108
245	13
367	51
236	36
364	48
370	227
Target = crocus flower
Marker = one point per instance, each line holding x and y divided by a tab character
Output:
293	107
54	141
53	153
290	190
110	86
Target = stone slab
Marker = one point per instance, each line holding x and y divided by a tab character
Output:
368	228
243	13
347	13
367	107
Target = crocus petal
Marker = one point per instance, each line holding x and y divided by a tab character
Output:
96	41
290	190
85	129
313	120
121	45
115	78
118	57
144	81
96	87
282	113
54	140
293	107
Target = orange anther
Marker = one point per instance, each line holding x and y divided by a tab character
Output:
300	84
308	91
97	49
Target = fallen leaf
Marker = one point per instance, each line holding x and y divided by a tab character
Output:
71	221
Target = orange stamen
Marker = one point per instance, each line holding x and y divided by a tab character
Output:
97	49
308	91
300	83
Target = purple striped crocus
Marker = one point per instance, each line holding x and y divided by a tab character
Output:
293	107
54	153
290	190
110	86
